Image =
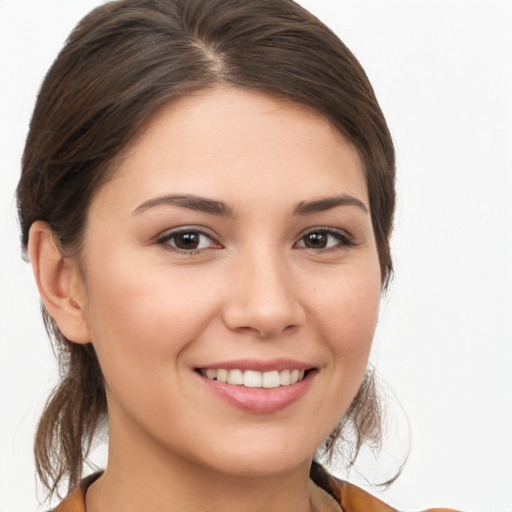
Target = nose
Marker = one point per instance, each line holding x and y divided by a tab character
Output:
263	297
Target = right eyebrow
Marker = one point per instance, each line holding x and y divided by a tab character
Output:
192	202
189	201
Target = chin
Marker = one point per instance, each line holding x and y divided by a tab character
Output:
270	458
263	467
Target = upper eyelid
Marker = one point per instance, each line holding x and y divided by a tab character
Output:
327	229
324	228
168	233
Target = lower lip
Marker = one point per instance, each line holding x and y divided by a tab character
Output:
260	400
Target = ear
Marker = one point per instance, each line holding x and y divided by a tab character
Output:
59	283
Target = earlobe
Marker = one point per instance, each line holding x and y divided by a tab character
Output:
57	279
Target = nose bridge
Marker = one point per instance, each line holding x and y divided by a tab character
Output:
263	296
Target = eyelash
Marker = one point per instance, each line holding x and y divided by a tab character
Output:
167	237
344	240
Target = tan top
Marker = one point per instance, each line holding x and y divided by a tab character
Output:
328	494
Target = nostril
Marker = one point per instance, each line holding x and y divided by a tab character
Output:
274	331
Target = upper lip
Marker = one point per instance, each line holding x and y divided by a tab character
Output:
259	365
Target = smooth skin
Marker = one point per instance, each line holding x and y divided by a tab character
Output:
165	288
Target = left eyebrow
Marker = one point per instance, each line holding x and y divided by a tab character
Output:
327	203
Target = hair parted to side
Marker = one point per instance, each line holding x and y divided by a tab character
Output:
121	64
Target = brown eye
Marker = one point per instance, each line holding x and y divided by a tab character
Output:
187	241
328	239
316	240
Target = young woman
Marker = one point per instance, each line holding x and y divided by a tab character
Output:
206	199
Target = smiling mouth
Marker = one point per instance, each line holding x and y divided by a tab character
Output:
253	378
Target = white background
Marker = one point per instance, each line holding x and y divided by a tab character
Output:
442	71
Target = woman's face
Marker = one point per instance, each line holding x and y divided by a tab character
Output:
233	242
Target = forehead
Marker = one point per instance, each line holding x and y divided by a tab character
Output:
234	142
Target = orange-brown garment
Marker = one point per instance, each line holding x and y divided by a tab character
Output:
328	494
350	497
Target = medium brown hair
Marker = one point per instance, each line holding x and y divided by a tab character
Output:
121	64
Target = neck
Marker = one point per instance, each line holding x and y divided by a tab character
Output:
147	477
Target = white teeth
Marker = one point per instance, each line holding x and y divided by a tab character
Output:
236	377
211	374
284	378
271	380
254	379
222	376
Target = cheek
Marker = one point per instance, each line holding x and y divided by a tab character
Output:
349	314
140	319
349	308
344	315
